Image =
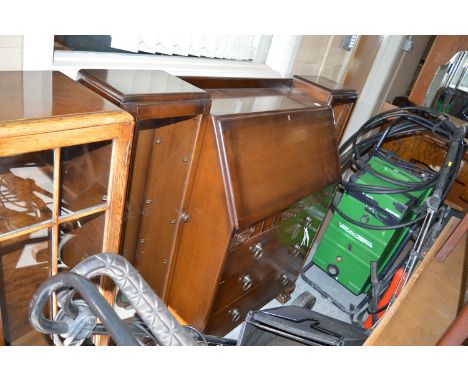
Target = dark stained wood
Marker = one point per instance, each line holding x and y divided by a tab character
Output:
167	111
240	155
2	341
224	320
213	158
168	174
275	159
442	50
143	145
142	86
204	240
331	94
425	149
210	83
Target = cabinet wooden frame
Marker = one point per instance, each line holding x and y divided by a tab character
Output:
120	135
53	130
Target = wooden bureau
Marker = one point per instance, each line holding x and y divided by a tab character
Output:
64	158
168	114
230	231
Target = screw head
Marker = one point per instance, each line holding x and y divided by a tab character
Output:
185	159
157	141
185	217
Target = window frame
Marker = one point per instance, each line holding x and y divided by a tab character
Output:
38	54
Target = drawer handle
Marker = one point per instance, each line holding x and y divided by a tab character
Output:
235	314
284	279
257	251
306	222
296	250
246	282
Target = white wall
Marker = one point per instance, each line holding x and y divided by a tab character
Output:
11	52
321	56
377	84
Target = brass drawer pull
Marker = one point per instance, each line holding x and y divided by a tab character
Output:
257	251
235	314
284	279
296	250
246	282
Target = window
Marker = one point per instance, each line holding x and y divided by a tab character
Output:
39	54
235	47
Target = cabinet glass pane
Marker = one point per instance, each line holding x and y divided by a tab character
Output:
80	239
24	265
26	186
84	175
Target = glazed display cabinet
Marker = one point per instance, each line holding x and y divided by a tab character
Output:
64	157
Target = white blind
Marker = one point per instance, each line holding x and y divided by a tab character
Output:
236	47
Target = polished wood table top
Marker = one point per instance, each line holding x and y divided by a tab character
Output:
41	101
141	85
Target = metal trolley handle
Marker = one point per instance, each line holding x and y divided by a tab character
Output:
152	311
96	303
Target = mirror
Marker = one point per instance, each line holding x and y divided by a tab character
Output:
448	91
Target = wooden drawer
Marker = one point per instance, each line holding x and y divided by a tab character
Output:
252	264
227	318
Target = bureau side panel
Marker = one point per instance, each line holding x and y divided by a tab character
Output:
204	241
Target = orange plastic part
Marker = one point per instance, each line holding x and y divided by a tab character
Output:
387	296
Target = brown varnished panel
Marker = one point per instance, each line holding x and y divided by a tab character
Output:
167	179
329	93
442	50
204	241
424	149
236	82
319	93
276	259
143	146
2	341
141	85
361	61
275	159
46	94
231	103
221	322
171	109
342	113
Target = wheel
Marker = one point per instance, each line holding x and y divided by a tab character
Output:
305	300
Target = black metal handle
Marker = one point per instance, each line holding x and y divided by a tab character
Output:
96	302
